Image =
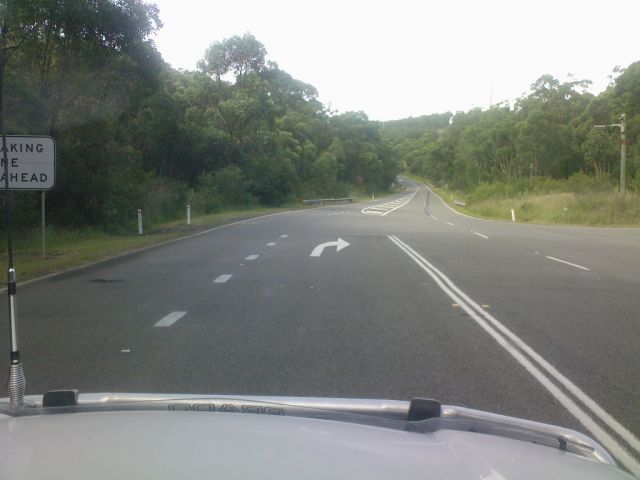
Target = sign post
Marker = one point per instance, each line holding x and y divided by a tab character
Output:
31	165
44	244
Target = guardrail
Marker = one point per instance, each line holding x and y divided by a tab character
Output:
328	201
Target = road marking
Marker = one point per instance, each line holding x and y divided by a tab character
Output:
223	278
170	319
453	209
271	244
479	234
252	257
450	224
248	221
125	350
567	263
284	236
434	217
340	244
534	363
383	209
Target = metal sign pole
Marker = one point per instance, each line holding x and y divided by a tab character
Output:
44	236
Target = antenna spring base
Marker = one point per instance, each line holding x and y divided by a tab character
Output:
17	385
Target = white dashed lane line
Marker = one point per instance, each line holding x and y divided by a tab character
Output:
479	234
568	263
252	257
271	244
170	319
223	278
450	224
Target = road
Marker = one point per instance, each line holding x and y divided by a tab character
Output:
539	322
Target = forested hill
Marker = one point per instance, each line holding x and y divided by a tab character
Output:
132	132
548	133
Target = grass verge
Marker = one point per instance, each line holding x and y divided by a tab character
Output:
588	208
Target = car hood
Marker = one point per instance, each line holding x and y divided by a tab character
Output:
197	445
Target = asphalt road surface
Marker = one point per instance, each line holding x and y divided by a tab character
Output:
532	321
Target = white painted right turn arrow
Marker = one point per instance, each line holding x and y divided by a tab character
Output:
339	244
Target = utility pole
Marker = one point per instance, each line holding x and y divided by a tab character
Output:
623	147
623	151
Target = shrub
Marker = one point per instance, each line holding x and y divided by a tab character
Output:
232	186
583	183
164	199
206	198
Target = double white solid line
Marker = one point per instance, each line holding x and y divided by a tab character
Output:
538	367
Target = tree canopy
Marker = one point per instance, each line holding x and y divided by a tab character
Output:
132	132
548	132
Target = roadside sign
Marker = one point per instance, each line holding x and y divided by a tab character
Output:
32	162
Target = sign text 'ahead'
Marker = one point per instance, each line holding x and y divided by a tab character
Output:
32	163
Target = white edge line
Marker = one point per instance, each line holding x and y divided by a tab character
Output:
618	451
479	234
170	319
454	210
149	247
446	204
503	221
567	263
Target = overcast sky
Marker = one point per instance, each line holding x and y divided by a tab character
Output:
396	58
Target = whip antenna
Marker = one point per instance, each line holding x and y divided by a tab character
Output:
17	381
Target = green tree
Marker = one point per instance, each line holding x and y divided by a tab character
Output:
239	55
325	173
